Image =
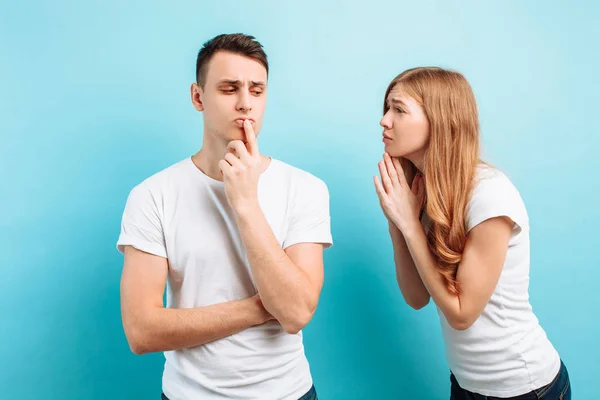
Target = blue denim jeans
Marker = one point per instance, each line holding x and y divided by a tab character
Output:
558	389
310	395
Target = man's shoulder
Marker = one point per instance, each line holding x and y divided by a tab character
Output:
162	179
297	175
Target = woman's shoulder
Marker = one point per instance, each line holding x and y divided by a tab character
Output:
494	194
489	178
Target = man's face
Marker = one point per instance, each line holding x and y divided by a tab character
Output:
235	89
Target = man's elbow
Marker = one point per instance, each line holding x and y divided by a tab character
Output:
138	349
461	323
137	344
298	320
137	338
292	327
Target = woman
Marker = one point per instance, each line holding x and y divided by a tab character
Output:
460	233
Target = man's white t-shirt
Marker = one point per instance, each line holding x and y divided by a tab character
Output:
183	215
505	353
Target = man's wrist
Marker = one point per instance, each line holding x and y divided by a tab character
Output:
246	208
258	311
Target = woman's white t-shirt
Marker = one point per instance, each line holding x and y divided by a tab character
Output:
505	352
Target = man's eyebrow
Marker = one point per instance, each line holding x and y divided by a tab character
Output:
230	82
237	82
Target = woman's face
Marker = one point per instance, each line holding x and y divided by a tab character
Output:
405	127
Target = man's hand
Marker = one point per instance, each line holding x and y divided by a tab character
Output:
241	167
265	314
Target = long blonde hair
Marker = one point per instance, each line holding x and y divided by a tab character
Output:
451	159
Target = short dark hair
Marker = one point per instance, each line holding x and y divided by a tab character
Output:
237	43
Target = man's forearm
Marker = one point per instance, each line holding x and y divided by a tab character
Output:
163	329
285	289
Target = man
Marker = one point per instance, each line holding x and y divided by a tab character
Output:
238	236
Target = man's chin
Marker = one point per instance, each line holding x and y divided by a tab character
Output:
238	134
230	138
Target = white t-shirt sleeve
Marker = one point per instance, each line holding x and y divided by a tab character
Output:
141	225
495	196
310	220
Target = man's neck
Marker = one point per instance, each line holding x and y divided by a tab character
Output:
208	157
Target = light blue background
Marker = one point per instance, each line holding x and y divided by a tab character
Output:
94	98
